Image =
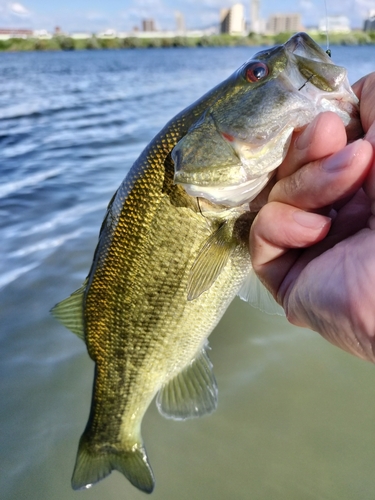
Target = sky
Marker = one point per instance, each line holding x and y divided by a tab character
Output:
124	15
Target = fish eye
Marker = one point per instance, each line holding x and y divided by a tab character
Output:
255	71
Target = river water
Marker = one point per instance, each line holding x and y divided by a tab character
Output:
296	416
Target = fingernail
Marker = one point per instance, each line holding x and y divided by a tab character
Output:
371	222
304	140
370	134
342	159
310	220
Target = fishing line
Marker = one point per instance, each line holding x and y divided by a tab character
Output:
328	51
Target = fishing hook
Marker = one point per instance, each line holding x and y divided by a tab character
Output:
307	81
199	207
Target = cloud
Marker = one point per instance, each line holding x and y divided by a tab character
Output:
18	9
306	4
364	7
14	14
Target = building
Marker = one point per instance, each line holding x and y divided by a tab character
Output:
257	24
369	24
334	24
42	34
80	36
255	21
148	25
281	23
232	20
7	33
109	34
180	22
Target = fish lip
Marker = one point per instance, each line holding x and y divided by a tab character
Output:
229	195
301	40
296	41
302	44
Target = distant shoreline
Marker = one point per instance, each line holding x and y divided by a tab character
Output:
93	43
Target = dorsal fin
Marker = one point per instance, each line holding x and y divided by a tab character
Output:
70	311
191	393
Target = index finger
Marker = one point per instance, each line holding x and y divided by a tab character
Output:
324	136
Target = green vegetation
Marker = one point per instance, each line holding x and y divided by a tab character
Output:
253	39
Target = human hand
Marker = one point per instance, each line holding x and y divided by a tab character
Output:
321	268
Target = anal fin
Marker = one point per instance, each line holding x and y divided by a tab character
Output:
191	393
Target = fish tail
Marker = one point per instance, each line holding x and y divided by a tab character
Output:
92	466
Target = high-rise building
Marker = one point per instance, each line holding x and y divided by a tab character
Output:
148	25
281	23
254	16
334	24
369	24
180	22
232	20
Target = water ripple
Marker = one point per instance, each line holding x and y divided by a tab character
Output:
30	181
8	277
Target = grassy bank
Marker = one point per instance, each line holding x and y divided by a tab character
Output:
67	43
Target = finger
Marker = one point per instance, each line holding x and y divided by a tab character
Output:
350	219
262	198
369	184
358	86
323	182
370	134
277	229
324	136
364	89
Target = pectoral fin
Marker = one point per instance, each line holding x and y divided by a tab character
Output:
192	393
256	294
210	261
70	311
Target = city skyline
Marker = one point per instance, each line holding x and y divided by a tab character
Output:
90	15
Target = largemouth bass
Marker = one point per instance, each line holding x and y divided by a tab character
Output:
172	251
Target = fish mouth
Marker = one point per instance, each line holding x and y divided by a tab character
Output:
301	44
313	75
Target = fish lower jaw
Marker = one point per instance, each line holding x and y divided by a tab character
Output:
232	196
345	108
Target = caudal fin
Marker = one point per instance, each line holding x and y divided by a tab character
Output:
92	467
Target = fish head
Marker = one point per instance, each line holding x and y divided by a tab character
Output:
229	154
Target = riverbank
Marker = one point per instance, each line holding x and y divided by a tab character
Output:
93	43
